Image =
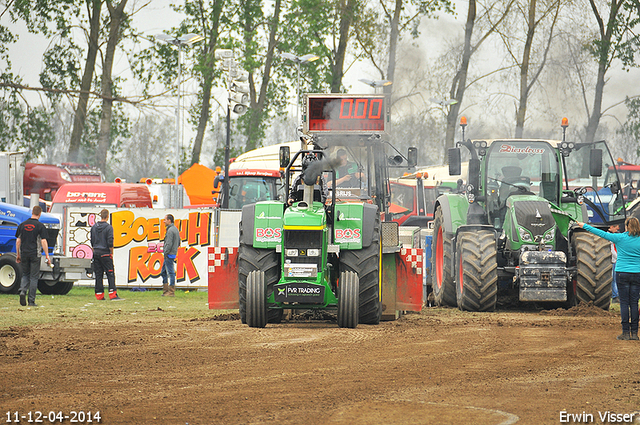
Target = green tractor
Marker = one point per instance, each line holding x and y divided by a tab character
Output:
510	231
317	255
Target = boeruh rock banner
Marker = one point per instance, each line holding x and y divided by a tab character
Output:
138	235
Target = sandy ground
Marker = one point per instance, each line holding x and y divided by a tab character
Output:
440	366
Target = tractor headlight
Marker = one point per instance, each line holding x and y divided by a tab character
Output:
549	235
292	252
524	235
313	252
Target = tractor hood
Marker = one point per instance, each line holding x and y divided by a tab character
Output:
531	219
314	216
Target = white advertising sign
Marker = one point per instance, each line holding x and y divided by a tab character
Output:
137	233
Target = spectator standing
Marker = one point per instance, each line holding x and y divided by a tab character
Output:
627	273
170	250
27	234
102	244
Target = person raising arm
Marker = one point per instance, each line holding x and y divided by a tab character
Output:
627	273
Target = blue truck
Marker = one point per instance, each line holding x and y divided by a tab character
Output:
57	279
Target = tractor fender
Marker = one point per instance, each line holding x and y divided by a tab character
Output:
246	224
454	211
369	214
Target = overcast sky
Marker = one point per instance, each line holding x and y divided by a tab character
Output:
26	57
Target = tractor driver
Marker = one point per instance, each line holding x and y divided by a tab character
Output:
320	194
346	171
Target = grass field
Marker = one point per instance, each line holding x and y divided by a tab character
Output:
81	304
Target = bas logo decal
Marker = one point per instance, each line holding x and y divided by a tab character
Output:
268	234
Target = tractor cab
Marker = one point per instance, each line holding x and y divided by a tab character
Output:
519	168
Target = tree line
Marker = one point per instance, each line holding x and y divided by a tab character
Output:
540	50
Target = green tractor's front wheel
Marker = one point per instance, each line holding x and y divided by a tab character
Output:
365	263
256	300
348	300
593	265
444	289
477	285
265	260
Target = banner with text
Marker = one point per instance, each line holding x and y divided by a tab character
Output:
138	234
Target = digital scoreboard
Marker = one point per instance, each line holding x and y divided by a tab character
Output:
344	113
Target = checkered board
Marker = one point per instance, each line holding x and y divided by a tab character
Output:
414	257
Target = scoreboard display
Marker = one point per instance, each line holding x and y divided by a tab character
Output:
344	113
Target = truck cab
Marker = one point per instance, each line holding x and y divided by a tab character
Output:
107	195
46	179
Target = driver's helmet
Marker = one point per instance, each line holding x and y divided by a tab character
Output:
308	160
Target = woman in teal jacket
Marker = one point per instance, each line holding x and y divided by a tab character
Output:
627	273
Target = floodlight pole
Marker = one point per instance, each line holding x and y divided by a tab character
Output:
298	95
299	60
227	146
178	122
185	40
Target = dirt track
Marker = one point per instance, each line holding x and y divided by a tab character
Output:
438	367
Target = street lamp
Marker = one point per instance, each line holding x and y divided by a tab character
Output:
377	83
237	101
299	60
183	40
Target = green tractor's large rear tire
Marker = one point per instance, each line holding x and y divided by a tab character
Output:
10	274
365	263
442	283
348	300
477	285
256	300
265	260
593	264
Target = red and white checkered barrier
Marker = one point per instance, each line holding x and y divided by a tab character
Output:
415	257
217	255
222	263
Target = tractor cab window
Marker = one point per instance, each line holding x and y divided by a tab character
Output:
249	190
629	177
519	167
351	165
402	200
